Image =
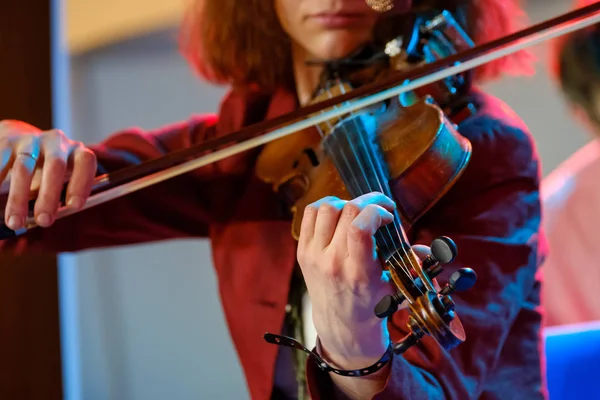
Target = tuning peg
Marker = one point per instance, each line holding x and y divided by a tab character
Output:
388	305
443	251
459	281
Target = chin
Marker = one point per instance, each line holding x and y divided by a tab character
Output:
337	44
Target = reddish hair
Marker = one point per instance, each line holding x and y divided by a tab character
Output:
242	43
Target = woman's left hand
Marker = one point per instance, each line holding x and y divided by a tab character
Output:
344	276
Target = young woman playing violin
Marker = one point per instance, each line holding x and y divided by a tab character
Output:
262	49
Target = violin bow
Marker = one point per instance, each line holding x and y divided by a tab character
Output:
122	182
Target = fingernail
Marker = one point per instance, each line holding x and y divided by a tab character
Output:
44	219
75	202
15	222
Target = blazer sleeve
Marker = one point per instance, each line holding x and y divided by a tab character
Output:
183	206
493	215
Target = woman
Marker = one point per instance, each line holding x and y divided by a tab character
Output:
261	48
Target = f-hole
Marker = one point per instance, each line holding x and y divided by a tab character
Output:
310	153
312	156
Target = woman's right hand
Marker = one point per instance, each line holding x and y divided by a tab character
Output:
34	159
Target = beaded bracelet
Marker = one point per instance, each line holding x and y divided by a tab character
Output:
293	343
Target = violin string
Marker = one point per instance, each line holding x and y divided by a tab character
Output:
349	176
347	173
387	241
389	248
352	176
385	229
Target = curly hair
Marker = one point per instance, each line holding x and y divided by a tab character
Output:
241	43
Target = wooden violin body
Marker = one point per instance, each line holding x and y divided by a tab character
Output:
424	154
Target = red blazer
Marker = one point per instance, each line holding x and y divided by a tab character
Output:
493	214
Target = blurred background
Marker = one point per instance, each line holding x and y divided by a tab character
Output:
145	322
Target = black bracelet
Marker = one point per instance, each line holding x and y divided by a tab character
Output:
293	343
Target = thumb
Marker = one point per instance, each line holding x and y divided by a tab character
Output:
423	252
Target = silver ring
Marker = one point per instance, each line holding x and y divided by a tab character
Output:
27	154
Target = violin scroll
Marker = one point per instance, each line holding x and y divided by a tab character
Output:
433	314
431	311
443	251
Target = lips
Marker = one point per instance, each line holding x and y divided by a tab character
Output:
338	20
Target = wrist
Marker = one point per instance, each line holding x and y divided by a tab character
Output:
361	350
360	376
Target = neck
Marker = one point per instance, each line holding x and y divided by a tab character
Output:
306	76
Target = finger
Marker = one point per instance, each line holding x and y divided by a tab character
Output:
360	241
10	127
53	175
309	220
10	132
423	252
27	152
82	178
354	207
326	222
6	159
377	198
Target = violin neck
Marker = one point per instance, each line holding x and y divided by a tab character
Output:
353	148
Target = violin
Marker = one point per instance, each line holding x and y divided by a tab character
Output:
406	148
395	134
